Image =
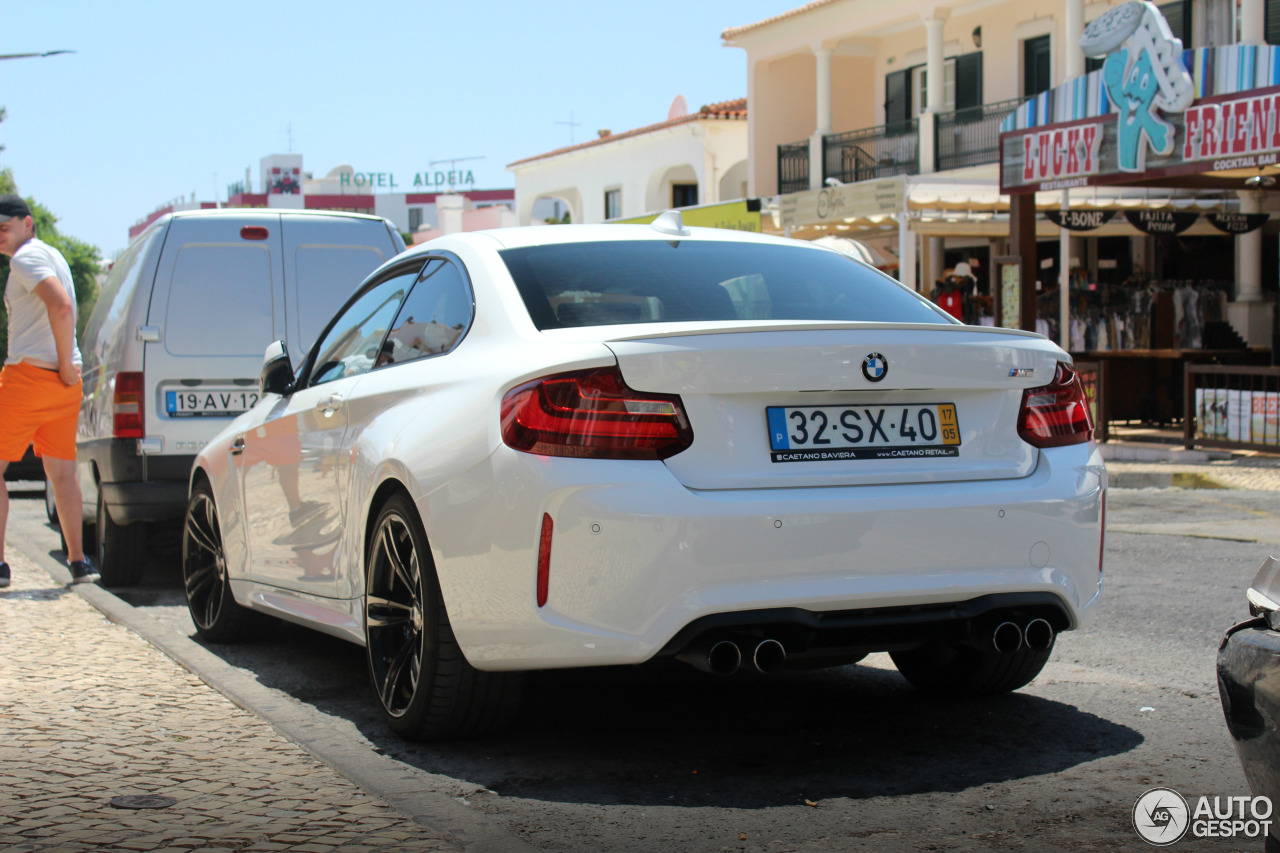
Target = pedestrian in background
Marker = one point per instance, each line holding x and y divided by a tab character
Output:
40	383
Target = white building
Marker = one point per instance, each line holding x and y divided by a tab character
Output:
690	159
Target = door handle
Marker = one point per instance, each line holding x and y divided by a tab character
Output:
329	405
237	445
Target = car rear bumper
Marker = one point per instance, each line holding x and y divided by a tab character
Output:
636	557
135	487
1249	687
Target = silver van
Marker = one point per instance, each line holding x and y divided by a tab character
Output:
174	347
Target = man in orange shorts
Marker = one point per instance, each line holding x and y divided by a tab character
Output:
40	382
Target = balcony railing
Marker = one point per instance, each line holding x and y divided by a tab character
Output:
793	167
970	137
873	152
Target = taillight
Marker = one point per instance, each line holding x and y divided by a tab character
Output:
593	414
126	406
1056	414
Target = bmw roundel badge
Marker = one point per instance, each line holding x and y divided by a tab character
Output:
875	367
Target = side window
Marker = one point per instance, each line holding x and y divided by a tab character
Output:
433	318
103	329
351	345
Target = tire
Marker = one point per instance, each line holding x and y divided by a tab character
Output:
121	549
947	669
425	686
217	616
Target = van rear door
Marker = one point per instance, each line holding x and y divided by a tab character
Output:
217	303
325	260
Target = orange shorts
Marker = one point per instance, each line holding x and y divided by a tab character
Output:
36	408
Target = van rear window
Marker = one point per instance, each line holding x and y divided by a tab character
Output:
327	276
220	302
656	281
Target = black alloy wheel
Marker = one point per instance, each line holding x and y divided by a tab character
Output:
425	685
394	618
217	616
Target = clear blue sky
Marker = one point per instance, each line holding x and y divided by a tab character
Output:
162	96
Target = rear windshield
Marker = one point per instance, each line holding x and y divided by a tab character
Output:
653	281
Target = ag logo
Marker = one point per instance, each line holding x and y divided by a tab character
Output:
1161	817
875	367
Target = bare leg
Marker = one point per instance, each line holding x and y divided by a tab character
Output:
66	497
4	506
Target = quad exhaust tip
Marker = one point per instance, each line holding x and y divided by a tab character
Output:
1038	634
1006	638
769	656
724	657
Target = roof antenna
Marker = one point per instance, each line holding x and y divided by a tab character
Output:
670	223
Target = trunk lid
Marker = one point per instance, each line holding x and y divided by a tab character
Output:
811	374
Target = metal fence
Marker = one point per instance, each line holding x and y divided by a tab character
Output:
970	137
793	167
1231	406
873	152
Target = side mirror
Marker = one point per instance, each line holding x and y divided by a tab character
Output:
277	372
1264	593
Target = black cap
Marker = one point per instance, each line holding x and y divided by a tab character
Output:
11	205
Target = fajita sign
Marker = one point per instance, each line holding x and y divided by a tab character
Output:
1152	127
1161	221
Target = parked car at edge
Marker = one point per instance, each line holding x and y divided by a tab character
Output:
174	345
29	467
1249	687
595	445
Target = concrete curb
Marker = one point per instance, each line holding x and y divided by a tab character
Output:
394	782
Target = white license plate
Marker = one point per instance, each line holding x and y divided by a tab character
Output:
209	402
828	433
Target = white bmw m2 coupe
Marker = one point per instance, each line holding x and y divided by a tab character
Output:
593	445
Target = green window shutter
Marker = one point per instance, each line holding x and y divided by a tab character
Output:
1273	22
1178	14
897	97
1036	71
969	81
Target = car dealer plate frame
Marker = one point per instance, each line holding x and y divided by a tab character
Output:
862	431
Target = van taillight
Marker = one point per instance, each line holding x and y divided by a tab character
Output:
126	406
1056	414
253	232
593	414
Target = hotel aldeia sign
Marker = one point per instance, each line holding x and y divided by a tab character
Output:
422	180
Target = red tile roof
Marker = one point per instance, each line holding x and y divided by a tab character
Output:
735	110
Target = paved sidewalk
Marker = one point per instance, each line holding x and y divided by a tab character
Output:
90	711
1139	465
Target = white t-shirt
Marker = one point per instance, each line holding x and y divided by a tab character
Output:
30	335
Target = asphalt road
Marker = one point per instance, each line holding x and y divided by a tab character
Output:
665	758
